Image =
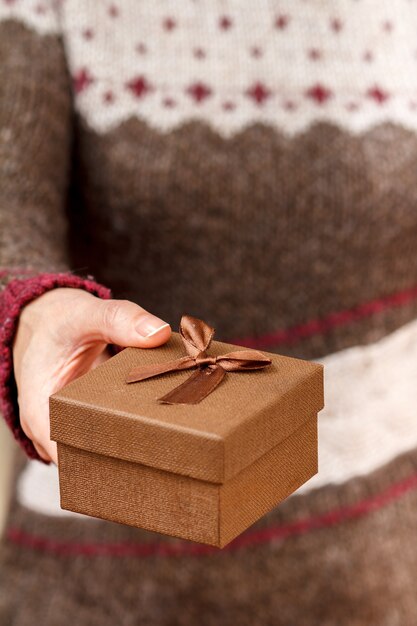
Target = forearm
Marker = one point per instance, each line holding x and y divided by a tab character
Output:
35	152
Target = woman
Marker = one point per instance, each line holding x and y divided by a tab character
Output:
254	167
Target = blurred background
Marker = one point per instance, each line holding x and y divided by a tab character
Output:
7	448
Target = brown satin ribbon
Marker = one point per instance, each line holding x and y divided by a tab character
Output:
197	336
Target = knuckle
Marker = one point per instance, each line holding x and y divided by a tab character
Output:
41	451
33	427
25	420
26	427
115	312
110	312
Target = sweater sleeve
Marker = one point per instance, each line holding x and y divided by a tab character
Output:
35	148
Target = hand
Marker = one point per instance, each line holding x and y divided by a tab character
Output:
63	334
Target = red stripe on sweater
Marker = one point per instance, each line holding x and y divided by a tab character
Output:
248	539
329	322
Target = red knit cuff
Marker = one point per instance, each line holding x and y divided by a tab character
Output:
13	298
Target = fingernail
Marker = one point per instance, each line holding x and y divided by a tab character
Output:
150	326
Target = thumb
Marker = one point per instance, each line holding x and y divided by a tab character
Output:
127	324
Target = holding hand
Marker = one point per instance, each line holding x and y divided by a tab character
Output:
63	334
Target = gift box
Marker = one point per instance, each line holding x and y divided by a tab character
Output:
196	439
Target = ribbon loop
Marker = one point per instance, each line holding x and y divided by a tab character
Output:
196	336
243	360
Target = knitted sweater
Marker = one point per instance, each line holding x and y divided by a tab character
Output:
208	157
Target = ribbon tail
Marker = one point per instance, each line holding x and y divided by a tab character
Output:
148	371
196	387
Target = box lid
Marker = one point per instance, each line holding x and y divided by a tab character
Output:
245	416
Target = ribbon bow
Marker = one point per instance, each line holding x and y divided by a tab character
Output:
196	336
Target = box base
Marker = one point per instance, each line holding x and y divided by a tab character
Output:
180	506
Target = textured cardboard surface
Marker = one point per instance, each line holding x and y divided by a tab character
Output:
168	503
247	415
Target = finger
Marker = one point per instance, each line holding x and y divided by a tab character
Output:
47	455
126	324
34	419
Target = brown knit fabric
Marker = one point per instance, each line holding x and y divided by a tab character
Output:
35	140
254	203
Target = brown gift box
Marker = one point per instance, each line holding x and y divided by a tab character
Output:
204	471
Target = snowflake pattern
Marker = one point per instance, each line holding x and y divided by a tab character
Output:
289	68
